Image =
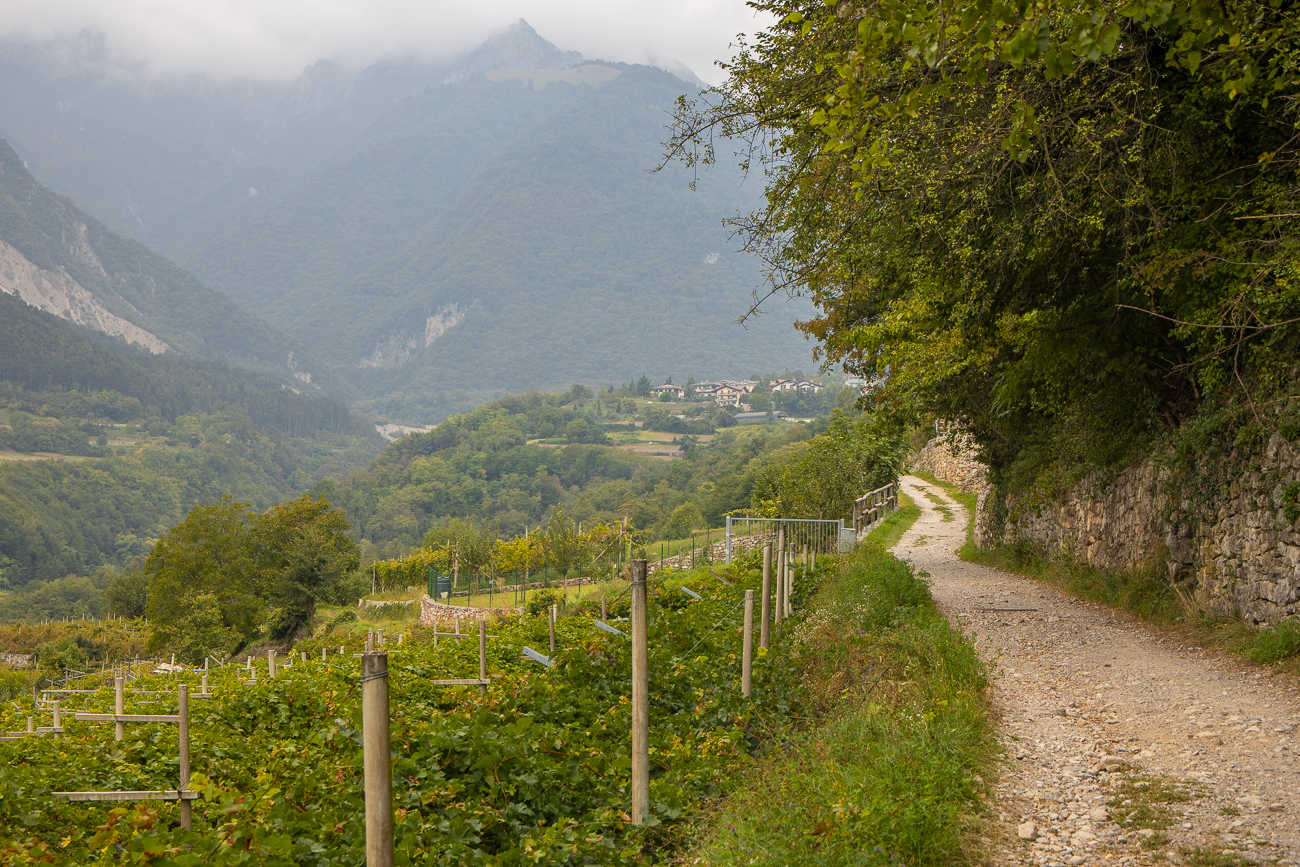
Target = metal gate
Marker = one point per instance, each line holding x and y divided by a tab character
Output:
820	535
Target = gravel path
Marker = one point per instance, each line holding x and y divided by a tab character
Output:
1091	698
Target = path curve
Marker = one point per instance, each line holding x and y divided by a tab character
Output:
1081	687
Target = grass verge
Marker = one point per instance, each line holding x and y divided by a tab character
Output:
894	770
896	523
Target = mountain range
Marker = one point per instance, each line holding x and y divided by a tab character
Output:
413	237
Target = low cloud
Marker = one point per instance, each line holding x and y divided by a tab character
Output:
257	39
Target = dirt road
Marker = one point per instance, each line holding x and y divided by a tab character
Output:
1092	699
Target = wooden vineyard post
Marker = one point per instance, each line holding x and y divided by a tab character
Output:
182	793
789	584
482	657
747	651
779	614
119	706
640	696
603	615
551	614
183	750
766	615
378	769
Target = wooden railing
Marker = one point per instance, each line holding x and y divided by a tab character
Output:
871	508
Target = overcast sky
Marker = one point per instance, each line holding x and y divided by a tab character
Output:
275	39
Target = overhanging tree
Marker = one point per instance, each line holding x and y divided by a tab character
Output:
1064	224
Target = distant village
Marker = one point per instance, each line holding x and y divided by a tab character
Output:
730	392
734	393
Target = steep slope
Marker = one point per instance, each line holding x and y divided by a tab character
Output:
565	258
57	258
358	207
104	446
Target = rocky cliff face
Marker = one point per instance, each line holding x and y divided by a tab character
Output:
56	292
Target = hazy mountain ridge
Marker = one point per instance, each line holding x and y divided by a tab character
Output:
446	242
67	263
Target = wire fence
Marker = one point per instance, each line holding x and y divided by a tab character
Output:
817	534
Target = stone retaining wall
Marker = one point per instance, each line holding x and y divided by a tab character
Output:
1239	555
951	458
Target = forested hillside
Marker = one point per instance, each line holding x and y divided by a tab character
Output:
59	259
105	446
484	467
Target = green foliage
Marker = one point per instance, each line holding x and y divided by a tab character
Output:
69	596
127	595
896	773
54	657
225	573
1064	225
13	683
1274	644
534	772
824	475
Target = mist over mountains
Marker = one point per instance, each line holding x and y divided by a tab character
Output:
432	234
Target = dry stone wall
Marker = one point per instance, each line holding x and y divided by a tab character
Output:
951	458
1238	554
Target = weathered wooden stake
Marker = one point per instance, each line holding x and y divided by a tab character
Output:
747	651
378	769
119	706
766	615
482	657
603	615
183	748
789	586
303	654
322	653
779	614
640	696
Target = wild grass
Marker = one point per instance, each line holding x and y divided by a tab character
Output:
896	523
894	771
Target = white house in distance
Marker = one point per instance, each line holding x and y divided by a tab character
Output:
674	391
727	391
804	385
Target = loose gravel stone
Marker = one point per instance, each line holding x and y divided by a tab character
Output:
1090	697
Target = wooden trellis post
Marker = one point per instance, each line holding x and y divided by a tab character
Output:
640	696
182	718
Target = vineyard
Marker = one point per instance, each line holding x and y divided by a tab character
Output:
532	770
535	770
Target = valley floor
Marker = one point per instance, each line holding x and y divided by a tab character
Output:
1099	709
